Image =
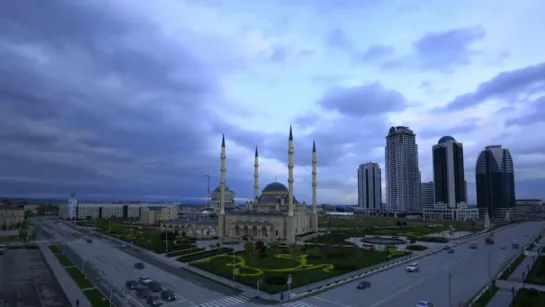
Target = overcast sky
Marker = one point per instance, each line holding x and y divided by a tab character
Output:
129	99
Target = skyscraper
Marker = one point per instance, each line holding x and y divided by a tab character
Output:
402	173
369	186
427	194
495	179
448	172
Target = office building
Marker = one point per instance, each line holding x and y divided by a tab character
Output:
11	216
72	207
156	215
427	194
402	172
369	186
495	180
448	172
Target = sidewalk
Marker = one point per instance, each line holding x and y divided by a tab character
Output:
68	285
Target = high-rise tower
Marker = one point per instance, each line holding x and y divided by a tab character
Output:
369	186
314	214
402	173
448	172
495	180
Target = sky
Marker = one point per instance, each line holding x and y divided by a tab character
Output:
129	99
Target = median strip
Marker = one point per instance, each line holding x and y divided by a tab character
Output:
93	295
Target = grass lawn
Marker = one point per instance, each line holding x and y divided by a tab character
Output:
204	254
65	262
537	273
339	237
485	298
55	249
79	278
306	265
185	251
10	239
505	274
96	298
529	298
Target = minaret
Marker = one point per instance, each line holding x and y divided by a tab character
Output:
256	178
221	218
290	174
314	214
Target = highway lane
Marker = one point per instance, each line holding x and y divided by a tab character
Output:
118	265
395	287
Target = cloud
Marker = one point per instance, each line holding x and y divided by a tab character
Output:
375	52
365	100
338	39
515	85
87	103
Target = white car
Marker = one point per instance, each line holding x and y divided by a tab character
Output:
413	267
424	304
144	280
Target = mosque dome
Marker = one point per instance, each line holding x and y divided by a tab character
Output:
445	139
275	188
217	189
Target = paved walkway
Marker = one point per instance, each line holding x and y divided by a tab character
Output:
68	285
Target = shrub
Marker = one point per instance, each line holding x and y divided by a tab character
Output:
416	247
275	280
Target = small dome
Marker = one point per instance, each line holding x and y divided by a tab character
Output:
275	187
446	139
217	189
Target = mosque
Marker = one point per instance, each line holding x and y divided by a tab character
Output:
276	214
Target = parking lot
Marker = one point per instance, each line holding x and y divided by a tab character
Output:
27	281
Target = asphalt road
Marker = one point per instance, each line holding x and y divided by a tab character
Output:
117	264
469	269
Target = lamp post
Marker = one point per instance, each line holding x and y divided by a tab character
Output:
489	272
449	289
233	268
524	279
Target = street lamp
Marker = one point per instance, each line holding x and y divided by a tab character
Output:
524	279
233	268
489	273
449	289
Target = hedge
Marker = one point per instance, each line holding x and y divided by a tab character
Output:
190	250
416	247
204	254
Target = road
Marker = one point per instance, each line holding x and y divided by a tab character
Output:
469	270
118	266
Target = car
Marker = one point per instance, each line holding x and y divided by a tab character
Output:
413	267
450	251
89	241
139	265
168	295
503	247
364	284
144	280
473	245
154	300
446	247
154	286
131	284
424	304
124	246
141	292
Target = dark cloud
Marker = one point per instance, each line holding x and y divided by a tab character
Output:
511	86
338	39
448	49
536	114
464	127
365	100
95	101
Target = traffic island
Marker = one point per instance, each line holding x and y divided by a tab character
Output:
93	295
275	269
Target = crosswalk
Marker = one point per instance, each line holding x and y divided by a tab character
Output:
298	304
226	301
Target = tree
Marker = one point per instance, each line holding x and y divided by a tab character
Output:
259	246
248	248
295	251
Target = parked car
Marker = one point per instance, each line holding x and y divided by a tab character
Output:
168	295
139	265
450	251
364	284
424	304
144	280
155	286
89	241
132	284
154	300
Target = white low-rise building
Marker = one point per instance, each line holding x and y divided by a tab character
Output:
104	211
443	212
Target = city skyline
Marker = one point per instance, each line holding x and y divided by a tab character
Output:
128	101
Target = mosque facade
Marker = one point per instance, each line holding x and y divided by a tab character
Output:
275	214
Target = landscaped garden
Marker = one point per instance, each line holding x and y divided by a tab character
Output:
204	254
271	265
537	273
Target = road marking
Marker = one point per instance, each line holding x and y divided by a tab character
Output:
298	304
332	302
226	301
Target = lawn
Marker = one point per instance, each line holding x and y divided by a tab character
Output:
339	237
271	265
55	249
537	273
10	239
485	298
529	298
79	278
186	251
65	262
507	272
204	254
96	298
381	222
